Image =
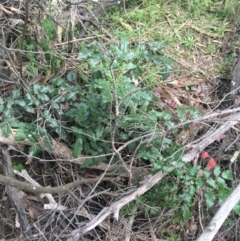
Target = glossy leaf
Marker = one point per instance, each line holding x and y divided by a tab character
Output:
186	212
227	175
6	129
77	147
210	198
35	150
47	140
21	135
71	76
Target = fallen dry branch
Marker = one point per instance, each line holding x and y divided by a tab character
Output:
53	205
8	181
116	206
12	194
221	215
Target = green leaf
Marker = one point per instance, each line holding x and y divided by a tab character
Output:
98	131
14	123
93	62
48	144
18	167
227	175
6	129
223	193
167	168
106	88
81	112
16	93
181	114
207	173
210	198
70	95
36	89
46	89
43	97
170	124
1	108
71	76
21	103
62	133
217	171
33	137
124	45
10	102
167	115
77	147
156	45
88	162
58	81
55	105
194	112
211	182
221	182
194	171
85	53
29	109
167	69
21	135
130	66
34	150
199	183
128	56
157	59
237	208
186	212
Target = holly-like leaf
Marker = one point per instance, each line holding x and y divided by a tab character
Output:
6	130
217	171
34	150
21	135
77	147
211	182
71	76
210	198
47	140
227	175
186	212
237	208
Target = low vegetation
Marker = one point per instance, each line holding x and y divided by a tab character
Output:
126	100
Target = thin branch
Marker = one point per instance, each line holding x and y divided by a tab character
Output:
34	189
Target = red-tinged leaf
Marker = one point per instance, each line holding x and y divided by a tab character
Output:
222	136
179	84
173	104
211	164
205	155
171	77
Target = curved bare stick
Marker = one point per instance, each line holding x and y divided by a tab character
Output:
116	206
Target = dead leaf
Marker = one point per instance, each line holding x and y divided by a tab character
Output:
187	81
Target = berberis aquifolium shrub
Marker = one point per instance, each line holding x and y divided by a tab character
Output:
111	99
67	109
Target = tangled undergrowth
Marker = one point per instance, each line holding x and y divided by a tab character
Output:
107	114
